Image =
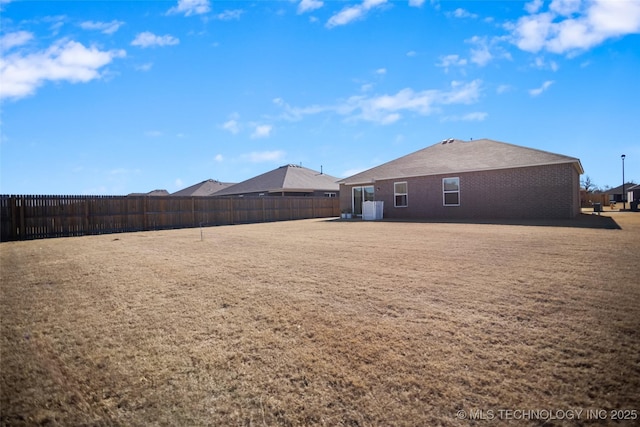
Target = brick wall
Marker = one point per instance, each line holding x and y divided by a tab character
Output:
550	191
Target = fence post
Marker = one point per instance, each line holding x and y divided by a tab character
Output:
145	219
14	223
85	223
23	234
193	211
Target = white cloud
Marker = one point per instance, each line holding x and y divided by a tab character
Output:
352	13
387	109
144	67
531	32
178	183
190	7
264	156
533	6
229	15
411	53
503	89
565	7
56	22
381	71
462	13
475	116
542	64
546	85
153	133
480	55
232	126
11	40
148	39
308	5
416	3
297	113
570	25
262	131
470	117
219	158
461	93
104	27
21	74
450	61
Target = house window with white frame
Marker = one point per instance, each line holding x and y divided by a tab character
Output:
401	194
451	191
330	194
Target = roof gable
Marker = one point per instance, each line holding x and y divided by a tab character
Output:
456	156
285	178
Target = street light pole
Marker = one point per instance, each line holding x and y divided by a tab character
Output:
624	197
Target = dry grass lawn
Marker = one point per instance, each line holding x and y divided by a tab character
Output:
321	322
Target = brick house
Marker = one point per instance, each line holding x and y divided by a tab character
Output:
480	179
287	180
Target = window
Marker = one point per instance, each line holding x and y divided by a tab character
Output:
329	194
451	191
401	194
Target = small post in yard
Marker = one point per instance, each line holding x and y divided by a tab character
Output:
201	233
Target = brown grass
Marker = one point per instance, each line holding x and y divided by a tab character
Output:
320	322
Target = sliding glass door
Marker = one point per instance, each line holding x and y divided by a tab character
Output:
361	195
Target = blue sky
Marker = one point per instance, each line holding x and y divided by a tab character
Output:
117	97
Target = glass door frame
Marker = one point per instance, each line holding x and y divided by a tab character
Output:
367	194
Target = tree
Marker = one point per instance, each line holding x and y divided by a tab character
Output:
588	185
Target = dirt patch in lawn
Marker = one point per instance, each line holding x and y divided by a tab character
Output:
322	322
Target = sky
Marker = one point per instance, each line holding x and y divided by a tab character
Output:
117	97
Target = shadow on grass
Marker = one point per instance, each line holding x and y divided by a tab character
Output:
581	221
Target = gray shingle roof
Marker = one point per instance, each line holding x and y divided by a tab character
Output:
151	193
285	178
618	190
204	188
456	156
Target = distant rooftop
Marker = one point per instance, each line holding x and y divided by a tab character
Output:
151	193
203	189
286	178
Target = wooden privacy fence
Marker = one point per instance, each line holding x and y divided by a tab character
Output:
36	217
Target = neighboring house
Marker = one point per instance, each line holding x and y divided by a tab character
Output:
633	193
151	193
615	194
288	180
481	179
203	189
